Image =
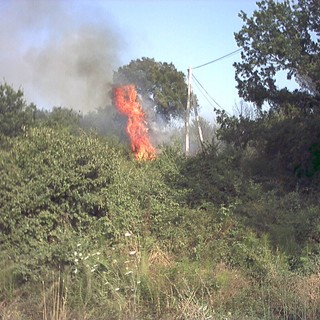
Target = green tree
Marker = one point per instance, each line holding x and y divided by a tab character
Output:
272	145
59	117
15	114
280	36
160	85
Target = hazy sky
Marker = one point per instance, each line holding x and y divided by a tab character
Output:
64	52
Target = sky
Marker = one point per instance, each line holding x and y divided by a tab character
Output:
64	53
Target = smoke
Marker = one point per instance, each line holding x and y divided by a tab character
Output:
161	131
58	53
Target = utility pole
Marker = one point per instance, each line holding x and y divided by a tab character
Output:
198	125
187	119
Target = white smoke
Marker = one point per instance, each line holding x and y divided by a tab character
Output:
58	54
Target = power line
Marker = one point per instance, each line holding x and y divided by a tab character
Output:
205	96
225	56
198	83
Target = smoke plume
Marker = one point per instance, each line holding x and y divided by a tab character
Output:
59	54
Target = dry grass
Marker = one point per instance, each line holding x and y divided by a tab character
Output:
159	258
54	299
160	288
230	283
10	310
292	296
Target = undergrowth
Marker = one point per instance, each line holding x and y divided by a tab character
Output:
89	233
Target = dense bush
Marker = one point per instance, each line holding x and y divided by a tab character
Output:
88	232
58	188
54	188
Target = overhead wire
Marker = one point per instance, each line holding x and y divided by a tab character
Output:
218	59
205	94
201	87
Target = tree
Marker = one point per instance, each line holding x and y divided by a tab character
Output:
281	36
160	85
59	117
15	114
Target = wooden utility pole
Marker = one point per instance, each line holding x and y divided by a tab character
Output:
187	119
198	125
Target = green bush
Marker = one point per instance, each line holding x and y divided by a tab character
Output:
56	189
106	234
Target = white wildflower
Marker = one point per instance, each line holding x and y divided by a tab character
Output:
132	253
128	234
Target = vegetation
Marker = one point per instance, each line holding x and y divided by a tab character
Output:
15	114
280	37
160	85
90	233
233	232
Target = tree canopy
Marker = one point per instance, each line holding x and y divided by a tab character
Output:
15	114
280	36
160	85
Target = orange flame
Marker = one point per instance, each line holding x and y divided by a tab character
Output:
126	102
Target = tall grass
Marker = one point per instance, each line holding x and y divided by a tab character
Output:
54	298
151	284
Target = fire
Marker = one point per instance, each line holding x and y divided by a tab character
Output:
125	98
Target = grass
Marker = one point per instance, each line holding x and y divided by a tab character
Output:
54	298
141	278
160	287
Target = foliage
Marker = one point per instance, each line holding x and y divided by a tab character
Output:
15	114
59	186
58	117
280	36
161	86
213	176
107	234
283	143
275	146
88	231
54	187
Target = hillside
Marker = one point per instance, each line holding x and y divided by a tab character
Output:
89	232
